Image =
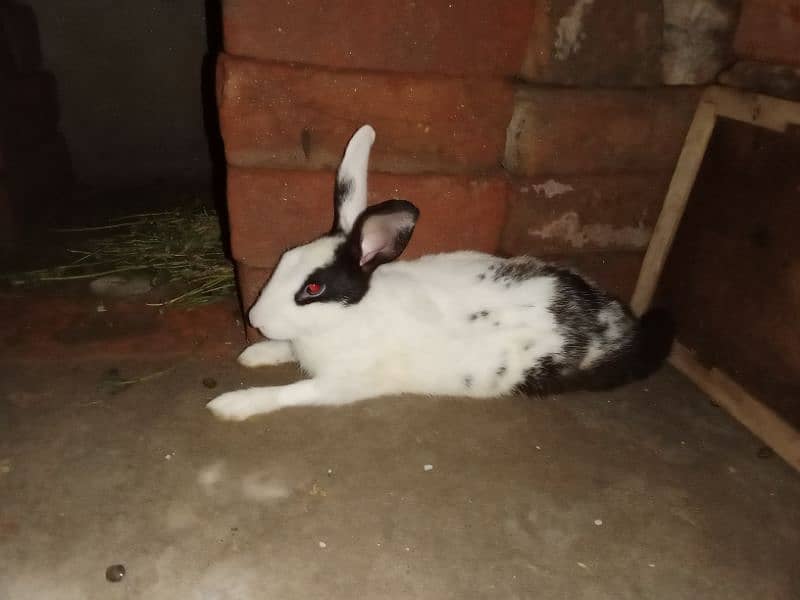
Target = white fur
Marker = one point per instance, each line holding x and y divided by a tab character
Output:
354	171
264	354
413	332
442	324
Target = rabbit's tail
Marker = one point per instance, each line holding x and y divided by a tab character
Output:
653	342
642	356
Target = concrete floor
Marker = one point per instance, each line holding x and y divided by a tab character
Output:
646	492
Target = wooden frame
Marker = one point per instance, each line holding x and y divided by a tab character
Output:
761	111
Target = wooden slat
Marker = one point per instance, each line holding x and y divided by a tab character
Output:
680	187
762	111
749	411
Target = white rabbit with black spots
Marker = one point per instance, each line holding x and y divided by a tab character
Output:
461	324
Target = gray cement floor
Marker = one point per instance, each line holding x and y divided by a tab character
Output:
646	492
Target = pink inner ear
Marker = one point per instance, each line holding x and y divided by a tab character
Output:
372	242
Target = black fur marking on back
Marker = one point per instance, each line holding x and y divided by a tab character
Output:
340	192
577	307
468	381
519	269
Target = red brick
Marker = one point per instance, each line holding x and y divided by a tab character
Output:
568	131
438	36
583	213
270	210
301	117
769	31
614	43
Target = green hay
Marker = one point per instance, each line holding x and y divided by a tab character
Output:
178	247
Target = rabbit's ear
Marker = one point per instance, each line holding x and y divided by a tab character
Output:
350	195
381	233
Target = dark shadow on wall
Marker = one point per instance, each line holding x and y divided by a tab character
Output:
35	167
216	150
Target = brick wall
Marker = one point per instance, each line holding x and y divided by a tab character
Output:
517	126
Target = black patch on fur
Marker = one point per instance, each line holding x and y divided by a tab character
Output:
501	370
640	349
481	276
468	381
518	270
400	241
481	314
345	282
340	192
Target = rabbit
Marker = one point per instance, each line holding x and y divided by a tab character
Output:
460	324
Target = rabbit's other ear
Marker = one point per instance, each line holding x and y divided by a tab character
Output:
350	195
381	233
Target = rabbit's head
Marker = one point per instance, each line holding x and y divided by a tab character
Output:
312	284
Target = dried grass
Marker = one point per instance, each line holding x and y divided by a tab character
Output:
179	247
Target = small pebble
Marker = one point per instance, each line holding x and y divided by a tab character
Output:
598	522
582	565
101	308
210	382
115	573
651	565
765	452
169	456
428	467
538	447
323	545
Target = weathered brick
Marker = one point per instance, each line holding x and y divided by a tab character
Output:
583	213
568	131
698	39
769	31
595	43
301	117
271	209
782	81
435	36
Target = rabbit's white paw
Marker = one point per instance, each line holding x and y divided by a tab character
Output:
242	404
267	353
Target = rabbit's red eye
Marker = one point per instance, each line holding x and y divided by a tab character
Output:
314	289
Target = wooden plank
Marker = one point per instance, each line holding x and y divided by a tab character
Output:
680	187
749	411
762	111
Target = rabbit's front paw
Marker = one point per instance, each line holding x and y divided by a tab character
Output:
266	353
237	406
